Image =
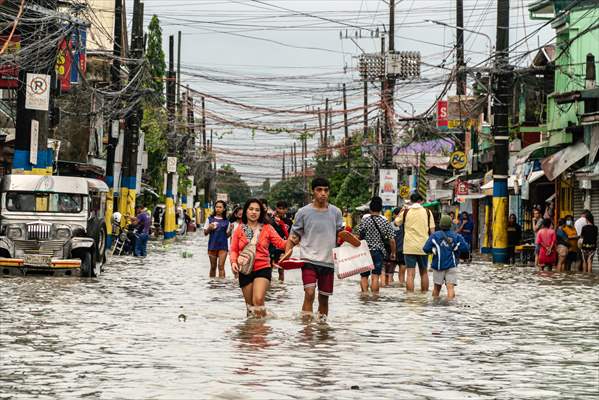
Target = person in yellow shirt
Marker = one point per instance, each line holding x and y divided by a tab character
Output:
572	262
418	224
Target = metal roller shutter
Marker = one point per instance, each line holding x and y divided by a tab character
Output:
595	199
577	200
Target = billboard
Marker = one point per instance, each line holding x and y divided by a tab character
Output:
9	72
388	187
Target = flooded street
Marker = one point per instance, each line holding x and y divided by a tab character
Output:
159	328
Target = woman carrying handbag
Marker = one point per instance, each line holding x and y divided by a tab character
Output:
250	255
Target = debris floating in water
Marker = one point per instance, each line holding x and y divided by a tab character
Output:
187	254
355	387
182	317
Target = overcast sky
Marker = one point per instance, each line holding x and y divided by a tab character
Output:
284	54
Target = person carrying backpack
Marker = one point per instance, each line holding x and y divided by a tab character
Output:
446	247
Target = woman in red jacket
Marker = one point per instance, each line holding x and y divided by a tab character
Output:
255	285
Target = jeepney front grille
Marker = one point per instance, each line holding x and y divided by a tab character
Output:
38	231
49	248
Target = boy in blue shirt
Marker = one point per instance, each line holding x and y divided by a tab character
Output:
446	247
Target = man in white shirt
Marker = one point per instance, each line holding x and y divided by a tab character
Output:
581	222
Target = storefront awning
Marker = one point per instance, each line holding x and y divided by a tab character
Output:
558	163
473	196
588	171
524	154
511	183
535	176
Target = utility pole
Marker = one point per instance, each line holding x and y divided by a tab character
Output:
320	128
171	186
204	124
460	64
501	134
283	169
305	164
294	158
32	122
346	128
179	68
326	127
115	128
132	121
365	109
389	89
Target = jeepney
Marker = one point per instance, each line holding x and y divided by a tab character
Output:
52	224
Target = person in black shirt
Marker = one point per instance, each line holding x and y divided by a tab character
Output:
588	247
514	237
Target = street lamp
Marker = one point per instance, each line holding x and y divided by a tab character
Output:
432	21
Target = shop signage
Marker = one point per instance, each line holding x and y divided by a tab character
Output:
388	186
171	164
458	160
63	65
9	72
461	188
222	197
442	114
404	192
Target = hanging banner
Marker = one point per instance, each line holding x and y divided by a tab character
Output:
388	187
79	62
63	65
461	188
442	114
422	177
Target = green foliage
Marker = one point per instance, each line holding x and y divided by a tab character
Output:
349	188
229	181
155	58
291	190
154	127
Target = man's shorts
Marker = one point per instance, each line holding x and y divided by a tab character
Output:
400	258
447	276
378	261
413	259
318	276
245	280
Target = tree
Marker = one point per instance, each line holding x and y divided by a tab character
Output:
291	190
155	58
229	181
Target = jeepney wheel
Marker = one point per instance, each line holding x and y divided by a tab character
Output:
86	265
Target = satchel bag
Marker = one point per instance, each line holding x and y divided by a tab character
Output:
247	256
385	241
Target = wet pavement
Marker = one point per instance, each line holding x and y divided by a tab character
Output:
160	329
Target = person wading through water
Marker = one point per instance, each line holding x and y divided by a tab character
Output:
315	230
254	228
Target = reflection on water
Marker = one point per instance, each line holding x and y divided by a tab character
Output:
509	334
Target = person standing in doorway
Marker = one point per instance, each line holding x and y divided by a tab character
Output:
514	237
588	245
218	229
281	225
315	229
418	224
379	236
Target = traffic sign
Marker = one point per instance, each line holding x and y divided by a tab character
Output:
38	92
404	192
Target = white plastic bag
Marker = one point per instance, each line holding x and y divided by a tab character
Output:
350	260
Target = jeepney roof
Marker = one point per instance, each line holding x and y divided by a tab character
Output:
53	184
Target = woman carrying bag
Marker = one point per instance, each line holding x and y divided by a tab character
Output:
250	255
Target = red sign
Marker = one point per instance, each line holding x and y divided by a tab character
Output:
9	72
461	188
442	113
63	66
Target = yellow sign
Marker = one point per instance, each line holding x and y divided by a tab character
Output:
458	160
404	192
458	123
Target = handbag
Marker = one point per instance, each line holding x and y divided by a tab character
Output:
350	260
247	256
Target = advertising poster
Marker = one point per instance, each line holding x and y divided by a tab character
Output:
388	187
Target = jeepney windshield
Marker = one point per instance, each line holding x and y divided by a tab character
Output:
44	202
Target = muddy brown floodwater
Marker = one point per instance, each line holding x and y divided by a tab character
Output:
160	329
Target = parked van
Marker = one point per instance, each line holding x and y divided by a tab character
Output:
52	224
